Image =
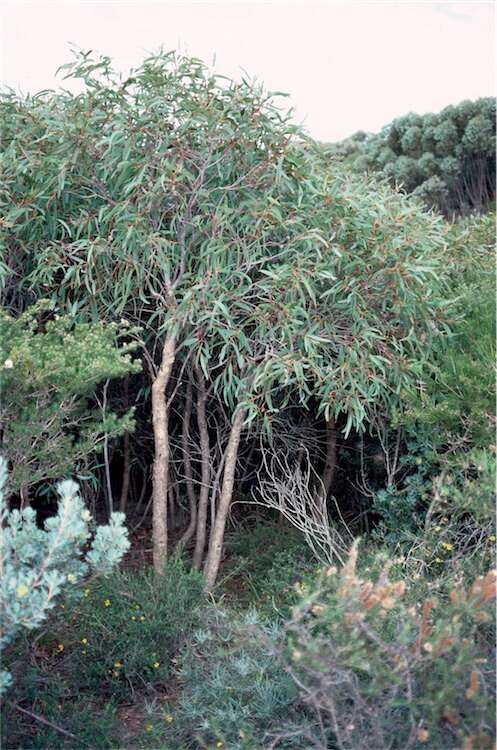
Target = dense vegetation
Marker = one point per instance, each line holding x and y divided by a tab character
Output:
258	356
446	158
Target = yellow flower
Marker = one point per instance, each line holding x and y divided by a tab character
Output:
115	673
60	647
84	640
84	651
142	618
168	718
21	590
438	559
447	546
133	617
118	664
107	602
492	537
86	592
219	743
156	664
148	727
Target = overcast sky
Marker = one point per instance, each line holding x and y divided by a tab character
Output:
347	65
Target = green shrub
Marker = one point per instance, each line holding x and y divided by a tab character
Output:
50	367
116	644
381	664
125	631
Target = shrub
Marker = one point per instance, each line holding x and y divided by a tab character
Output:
234	693
380	669
115	645
38	565
123	634
50	367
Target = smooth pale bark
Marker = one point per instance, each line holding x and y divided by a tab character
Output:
331	456
187	464
160	478
123	500
217	532
203	500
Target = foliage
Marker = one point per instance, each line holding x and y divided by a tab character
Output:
270	560
449	423
190	204
38	565
380	665
118	640
51	366
133	625
233	690
447	159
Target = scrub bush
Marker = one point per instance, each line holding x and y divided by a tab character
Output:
385	663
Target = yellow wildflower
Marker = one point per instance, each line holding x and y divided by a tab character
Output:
118	664
156	664
149	727
60	647
446	546
168	718
219	743
133	617
492	537
107	602
86	592
115	673
84	641
438	559
21	590
142	618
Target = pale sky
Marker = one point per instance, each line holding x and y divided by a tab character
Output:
347	66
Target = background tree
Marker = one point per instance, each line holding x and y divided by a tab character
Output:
447	159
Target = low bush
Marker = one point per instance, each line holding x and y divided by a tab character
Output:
384	663
233	693
114	644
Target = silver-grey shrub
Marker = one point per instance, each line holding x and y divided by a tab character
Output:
37	565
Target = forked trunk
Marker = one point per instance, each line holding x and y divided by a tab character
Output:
205	473
217	532
160	479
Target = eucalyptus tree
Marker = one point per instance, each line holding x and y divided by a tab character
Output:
261	277
119	199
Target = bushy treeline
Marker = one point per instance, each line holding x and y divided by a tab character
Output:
203	315
446	158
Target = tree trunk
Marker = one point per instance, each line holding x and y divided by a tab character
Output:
123	500
331	456
217	532
187	463
205	473
160	479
